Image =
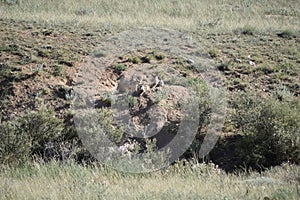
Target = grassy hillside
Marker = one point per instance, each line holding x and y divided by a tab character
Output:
255	48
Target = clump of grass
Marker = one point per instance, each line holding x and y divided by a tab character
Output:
38	69
248	30
43	53
59	70
160	95
287	34
159	55
213	53
147	58
120	67
132	101
9	48
134	60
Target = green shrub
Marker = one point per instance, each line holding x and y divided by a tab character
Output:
213	53
96	125
14	144
270	130
28	136
120	67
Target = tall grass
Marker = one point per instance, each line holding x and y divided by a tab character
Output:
198	181
222	15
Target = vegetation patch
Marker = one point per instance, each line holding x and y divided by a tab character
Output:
29	136
248	30
270	130
287	34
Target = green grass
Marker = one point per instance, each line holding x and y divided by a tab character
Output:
58	70
56	180
119	67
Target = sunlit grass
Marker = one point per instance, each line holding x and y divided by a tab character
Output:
72	181
212	15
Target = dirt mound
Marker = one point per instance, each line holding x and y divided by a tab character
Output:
146	90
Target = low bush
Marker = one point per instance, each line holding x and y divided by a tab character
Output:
270	130
27	136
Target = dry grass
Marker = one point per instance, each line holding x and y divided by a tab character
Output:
220	15
72	181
